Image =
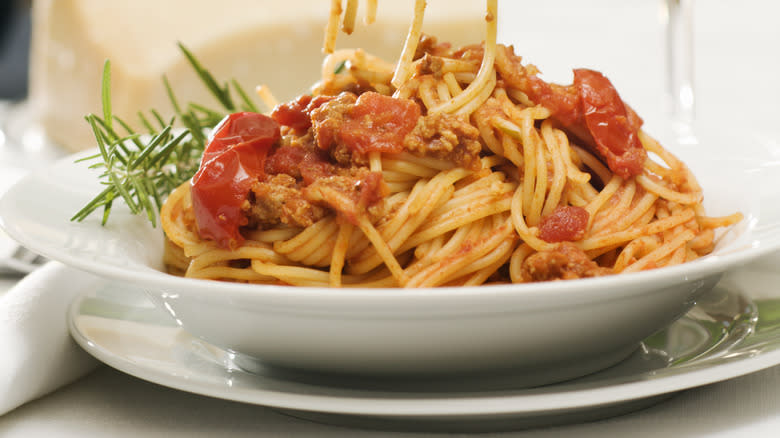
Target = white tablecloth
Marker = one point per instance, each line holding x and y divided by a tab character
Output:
108	403
737	82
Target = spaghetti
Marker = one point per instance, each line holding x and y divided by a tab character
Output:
456	166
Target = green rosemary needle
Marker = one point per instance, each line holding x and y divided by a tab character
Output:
141	169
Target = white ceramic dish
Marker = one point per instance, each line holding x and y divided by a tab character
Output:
734	330
547	332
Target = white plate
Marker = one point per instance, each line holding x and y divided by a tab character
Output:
552	331
734	330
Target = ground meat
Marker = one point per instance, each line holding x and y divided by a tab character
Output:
346	157
329	117
311	175
350	192
301	160
445	136
565	262
283	199
473	52
431	65
279	199
429	45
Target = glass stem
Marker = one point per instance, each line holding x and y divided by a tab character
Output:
680	59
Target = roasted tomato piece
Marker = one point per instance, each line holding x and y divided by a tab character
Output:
379	123
297	113
614	131
234	159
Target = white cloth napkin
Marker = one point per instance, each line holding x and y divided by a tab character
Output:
37	354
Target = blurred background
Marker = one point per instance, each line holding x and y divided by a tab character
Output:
52	52
15	30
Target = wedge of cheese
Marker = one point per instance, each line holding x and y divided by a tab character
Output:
277	43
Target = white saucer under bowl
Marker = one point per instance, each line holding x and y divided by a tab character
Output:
733	330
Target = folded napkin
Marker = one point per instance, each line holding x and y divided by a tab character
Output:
38	355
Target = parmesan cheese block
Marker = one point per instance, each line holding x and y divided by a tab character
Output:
256	42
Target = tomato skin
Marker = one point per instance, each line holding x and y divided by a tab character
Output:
233	160
612	127
379	123
297	113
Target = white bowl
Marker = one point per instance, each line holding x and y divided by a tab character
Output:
547	331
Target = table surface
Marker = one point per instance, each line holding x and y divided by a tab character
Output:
109	403
737	70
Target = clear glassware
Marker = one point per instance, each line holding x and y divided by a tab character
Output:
679	48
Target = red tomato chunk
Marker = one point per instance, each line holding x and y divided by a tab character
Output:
564	224
233	160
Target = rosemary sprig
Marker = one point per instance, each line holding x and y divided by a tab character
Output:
142	169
